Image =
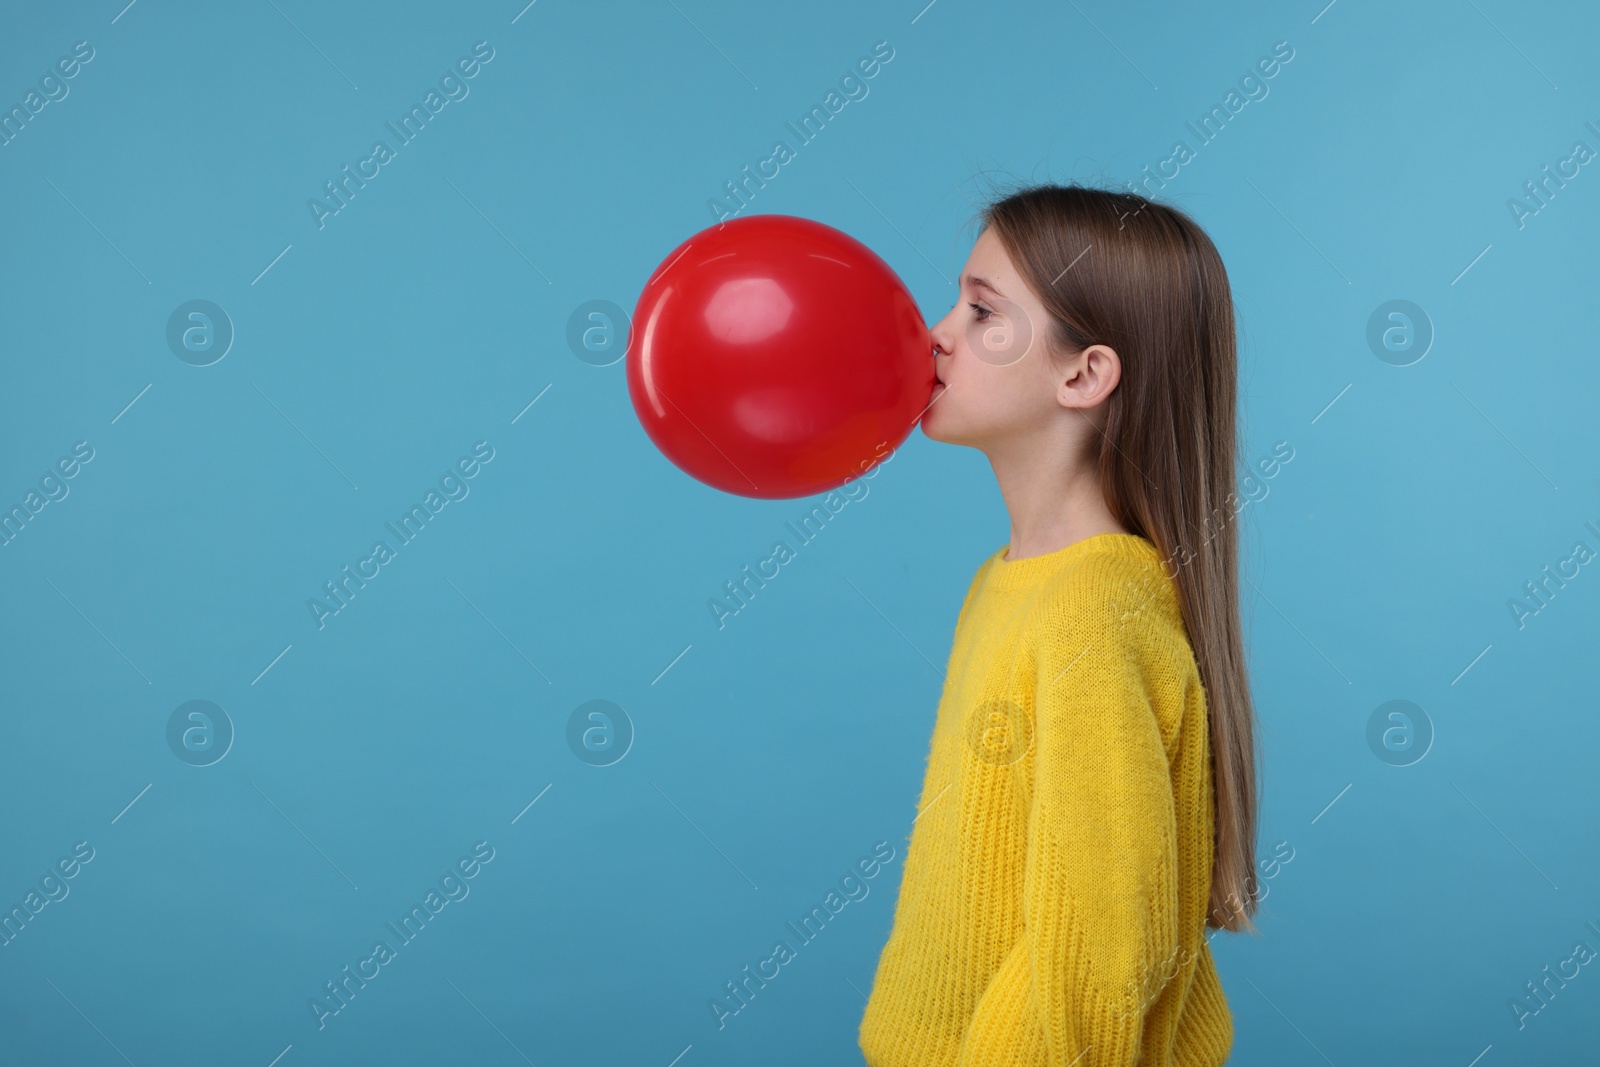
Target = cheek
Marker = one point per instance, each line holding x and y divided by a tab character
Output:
1004	396
1003	340
970	396
969	363
982	390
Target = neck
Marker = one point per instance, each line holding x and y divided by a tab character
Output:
1051	504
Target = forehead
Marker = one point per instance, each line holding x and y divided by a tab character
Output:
989	269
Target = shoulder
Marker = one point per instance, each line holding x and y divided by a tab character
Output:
1120	583
977	582
1113	616
1108	629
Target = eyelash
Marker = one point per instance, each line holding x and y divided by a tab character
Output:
980	313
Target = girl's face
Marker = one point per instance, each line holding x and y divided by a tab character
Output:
990	355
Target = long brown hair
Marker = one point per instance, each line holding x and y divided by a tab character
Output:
1118	269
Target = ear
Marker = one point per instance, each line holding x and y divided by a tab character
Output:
1090	377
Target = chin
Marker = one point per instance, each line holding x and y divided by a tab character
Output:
942	433
935	419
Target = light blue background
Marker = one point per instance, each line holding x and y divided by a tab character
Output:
773	754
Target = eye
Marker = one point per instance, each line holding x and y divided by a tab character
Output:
980	313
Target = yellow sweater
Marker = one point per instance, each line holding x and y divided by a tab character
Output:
1054	896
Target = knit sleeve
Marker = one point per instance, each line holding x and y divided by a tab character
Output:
1099	896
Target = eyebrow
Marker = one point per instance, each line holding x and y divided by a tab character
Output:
979	283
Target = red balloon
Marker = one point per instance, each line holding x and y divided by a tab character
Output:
773	356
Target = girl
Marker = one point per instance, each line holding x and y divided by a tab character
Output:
1089	809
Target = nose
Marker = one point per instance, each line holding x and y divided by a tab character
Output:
943	337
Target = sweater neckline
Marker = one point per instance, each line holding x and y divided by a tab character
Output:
1011	574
